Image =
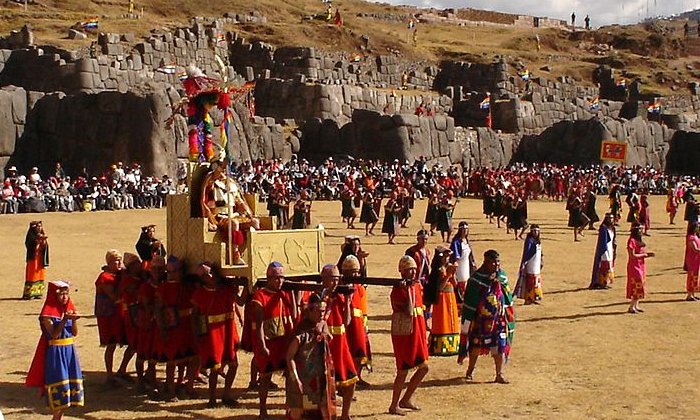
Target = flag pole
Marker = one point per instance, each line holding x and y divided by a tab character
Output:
229	197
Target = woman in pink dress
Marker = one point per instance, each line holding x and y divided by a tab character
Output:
636	268
692	258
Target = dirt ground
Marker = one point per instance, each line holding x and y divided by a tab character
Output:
578	355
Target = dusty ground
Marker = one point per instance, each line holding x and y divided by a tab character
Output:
579	355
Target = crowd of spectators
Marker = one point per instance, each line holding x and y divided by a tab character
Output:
116	189
125	187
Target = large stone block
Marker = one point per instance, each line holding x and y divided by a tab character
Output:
7	125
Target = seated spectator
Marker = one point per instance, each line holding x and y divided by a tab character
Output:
10	203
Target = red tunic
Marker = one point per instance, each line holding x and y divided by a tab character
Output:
218	345
145	321
345	372
278	325
408	334
109	320
247	328
176	340
128	296
357	336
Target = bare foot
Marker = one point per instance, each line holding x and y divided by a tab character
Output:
409	405
396	411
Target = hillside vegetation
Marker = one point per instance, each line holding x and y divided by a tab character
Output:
655	52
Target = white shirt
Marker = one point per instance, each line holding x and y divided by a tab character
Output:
608	255
534	264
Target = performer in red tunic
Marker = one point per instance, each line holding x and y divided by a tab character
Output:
173	317
274	312
356	333
109	320
218	340
146	324
338	317
128	301
408	336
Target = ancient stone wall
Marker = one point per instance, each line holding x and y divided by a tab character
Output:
289	99
94	130
684	153
578	142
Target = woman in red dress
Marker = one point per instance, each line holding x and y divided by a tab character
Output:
218	340
407	336
636	268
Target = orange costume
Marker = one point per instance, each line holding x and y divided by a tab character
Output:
345	371
37	259
356	333
408	330
218	339
277	325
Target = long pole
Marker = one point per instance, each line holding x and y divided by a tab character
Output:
229	198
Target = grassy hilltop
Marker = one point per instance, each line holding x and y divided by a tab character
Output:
656	52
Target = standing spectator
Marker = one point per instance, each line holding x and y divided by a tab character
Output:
573	19
59	173
587	20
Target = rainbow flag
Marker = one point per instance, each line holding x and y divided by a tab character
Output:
91	23
168	69
654	108
225	127
182	75
621	83
486	103
594	105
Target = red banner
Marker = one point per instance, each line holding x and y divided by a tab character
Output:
611	150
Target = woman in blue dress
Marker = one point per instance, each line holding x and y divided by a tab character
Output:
55	368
